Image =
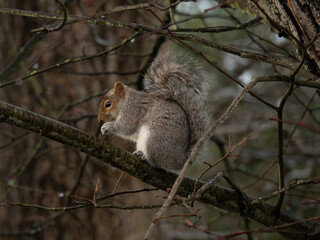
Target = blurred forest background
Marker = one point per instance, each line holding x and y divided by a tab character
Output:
79	61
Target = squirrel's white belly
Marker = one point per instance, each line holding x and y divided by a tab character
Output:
142	140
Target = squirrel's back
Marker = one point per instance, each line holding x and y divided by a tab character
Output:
180	80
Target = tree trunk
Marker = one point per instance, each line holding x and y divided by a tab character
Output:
296	20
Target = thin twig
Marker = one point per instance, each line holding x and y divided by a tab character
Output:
59	26
82	205
71	60
210	166
292	185
118	181
300	123
194	152
142	28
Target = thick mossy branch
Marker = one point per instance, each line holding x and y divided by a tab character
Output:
217	196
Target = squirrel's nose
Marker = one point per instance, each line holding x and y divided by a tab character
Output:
99	119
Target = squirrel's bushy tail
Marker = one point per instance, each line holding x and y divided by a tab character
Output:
180	79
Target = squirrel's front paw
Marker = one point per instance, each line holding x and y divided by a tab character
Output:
106	127
139	154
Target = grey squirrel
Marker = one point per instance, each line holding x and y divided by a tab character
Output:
166	119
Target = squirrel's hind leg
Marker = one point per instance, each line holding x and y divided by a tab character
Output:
142	141
139	154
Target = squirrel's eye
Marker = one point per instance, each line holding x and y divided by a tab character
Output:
108	104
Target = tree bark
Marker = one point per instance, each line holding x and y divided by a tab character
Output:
296	20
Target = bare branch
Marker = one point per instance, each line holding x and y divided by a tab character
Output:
218	196
142	28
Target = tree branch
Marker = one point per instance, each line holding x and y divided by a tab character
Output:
161	32
218	196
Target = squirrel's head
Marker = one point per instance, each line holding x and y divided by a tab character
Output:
111	103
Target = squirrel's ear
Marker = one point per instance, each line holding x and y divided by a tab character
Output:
119	89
